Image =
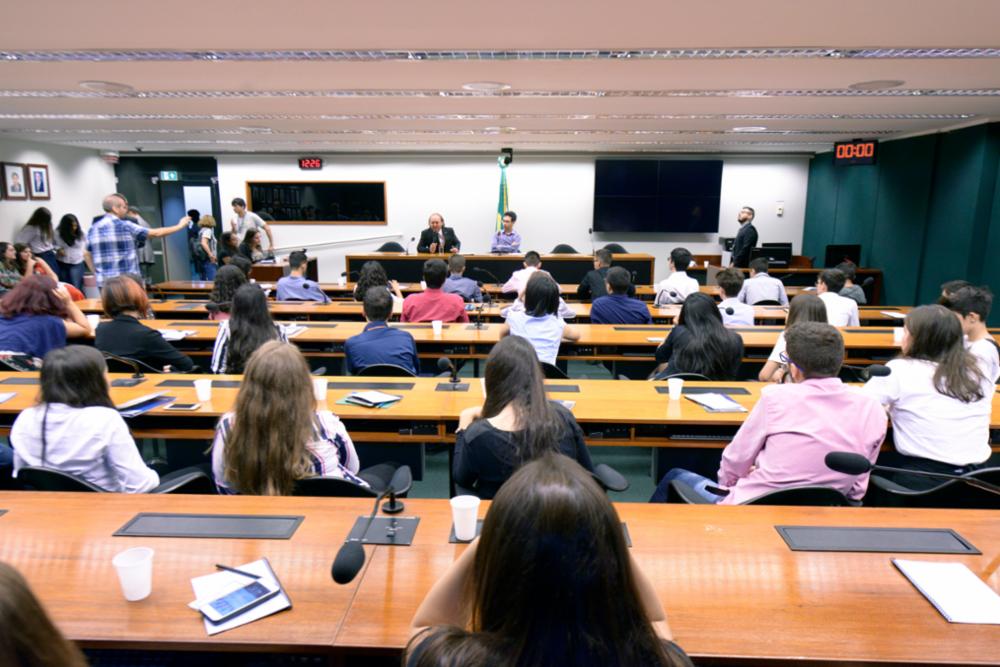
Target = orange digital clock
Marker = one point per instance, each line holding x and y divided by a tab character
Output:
855	152
310	163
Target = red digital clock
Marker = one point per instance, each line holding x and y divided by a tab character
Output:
855	152
310	163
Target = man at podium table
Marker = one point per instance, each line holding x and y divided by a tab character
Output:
437	238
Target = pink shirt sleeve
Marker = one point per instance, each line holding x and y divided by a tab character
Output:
739	455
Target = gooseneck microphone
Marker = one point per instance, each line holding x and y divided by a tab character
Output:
855	464
349	274
868	372
445	365
484	272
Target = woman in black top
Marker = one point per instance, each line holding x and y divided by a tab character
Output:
517	422
373	275
700	343
227	281
228	247
125	302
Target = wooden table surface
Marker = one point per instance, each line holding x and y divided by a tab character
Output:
732	589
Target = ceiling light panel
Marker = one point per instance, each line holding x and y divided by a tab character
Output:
477	117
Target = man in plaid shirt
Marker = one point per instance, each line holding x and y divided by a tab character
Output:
112	241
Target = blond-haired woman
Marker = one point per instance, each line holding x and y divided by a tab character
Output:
208	247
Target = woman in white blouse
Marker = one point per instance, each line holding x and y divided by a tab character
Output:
75	427
938	399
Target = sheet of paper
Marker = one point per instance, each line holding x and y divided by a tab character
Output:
654	339
212	586
375	397
6	396
716	402
176	334
894	313
954	590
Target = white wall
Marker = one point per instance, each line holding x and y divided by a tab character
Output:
79	179
553	198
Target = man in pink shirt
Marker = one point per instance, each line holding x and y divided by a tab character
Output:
791	429
434	304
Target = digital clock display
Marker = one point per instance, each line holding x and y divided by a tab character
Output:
310	163
855	152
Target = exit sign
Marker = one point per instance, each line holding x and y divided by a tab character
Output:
169	176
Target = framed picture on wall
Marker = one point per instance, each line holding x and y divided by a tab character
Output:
38	181
14	182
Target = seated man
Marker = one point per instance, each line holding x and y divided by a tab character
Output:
508	240
791	429
593	284
840	311
457	283
762	287
617	307
433	304
437	238
294	286
850	290
379	343
972	307
519	279
679	284
733	311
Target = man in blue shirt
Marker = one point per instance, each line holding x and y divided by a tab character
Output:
508	240
294	286
379	343
617	307
456	283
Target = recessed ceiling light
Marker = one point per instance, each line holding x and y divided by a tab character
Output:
880	84
486	86
106	86
750	128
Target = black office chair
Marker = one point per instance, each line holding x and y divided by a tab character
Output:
49	479
884	492
564	249
867	286
386	370
616	248
552	372
390	246
667	375
812	495
335	487
767	302
137	368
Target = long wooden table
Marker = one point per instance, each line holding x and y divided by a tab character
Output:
733	591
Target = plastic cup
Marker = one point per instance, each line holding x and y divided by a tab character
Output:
342	280
319	389
203	388
93	321
706	263
897	334
464	510
135	572
423	284
437	325
675	386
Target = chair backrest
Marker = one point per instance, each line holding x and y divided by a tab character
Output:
331	487
117	364
683	376
952	494
820	496
616	248
390	246
49	479
387	370
767	302
564	249
868	287
552	372
193	482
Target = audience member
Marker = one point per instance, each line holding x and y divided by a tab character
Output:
734	312
938	399
125	302
699	343
112	241
550	582
10	272
792	427
250	246
972	307
617	307
804	308
249	326
539	322
245	220
593	284
31	265
242	263
952	286
840	311
433	304
678	284
295	285
532	262
229	246
761	286
37	234
507	240
437	238
71	252
76	429
38	315
850	290
373	275
207	255
379	343
229	279
457	283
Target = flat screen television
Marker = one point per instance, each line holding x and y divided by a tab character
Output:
658	196
319	202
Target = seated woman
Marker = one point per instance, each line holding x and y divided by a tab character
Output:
938	400
803	308
229	246
10	272
75	427
37	316
373	275
251	247
249	326
227	281
125	302
539	322
27	635
28	265
699	343
516	423
549	582
276	435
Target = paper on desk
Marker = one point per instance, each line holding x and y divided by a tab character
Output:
954	590
176	334
894	313
654	339
714	402
6	396
212	586
293	330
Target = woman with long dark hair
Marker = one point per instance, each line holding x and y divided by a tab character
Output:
37	234
38	315
937	398
75	427
549	582
229	246
373	275
700	343
249	326
516	423
10	272
251	247
30	265
803	308
227	281
71	246
539	322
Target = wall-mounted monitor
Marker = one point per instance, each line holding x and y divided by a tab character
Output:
320	202
658	196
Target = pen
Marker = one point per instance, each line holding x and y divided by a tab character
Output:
235	571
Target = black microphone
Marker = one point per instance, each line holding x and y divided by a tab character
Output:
855	464
868	372
729	310
484	272
345	274
401	481
444	364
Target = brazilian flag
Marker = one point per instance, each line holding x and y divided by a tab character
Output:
503	202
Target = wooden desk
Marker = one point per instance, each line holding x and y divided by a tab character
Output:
274	271
732	589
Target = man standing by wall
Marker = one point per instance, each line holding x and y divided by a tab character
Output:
746	238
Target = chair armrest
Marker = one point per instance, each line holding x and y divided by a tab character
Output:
684	493
609	478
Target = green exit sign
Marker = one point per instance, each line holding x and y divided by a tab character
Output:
169	176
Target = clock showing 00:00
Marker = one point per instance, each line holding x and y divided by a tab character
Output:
855	152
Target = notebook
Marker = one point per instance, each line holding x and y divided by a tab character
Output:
371	399
714	402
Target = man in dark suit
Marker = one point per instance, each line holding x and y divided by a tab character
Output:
438	238
746	238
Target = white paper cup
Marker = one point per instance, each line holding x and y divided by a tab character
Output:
135	572
423	284
464	510
319	389
706	263
897	334
93	321
203	388
675	386
437	325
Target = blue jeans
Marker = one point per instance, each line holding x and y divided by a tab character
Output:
71	273
208	270
692	479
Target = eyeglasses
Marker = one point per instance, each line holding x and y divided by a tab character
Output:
786	360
